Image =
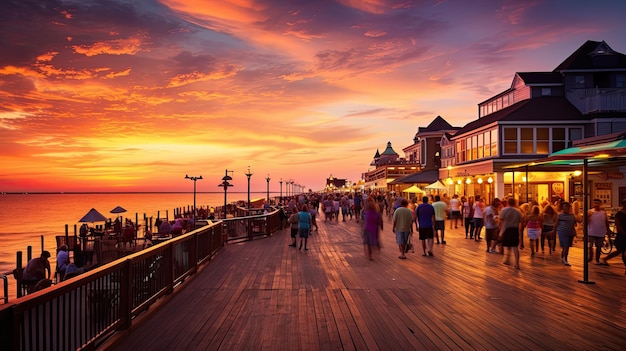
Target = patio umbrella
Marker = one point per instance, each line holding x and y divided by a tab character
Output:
436	186
93	216
118	209
413	190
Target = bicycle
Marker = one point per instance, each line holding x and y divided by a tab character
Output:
608	243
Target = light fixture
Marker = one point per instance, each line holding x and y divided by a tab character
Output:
459	182
450	181
480	181
468	181
524	179
577	173
489	180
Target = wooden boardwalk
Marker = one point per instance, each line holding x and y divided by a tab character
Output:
265	295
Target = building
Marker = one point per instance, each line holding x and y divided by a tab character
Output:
387	167
539	114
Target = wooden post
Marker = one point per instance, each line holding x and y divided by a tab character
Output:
29	253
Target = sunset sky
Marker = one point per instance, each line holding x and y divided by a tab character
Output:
132	95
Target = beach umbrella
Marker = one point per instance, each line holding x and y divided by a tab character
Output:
118	209
436	186
93	216
413	190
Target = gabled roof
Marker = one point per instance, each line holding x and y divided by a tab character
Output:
419	177
582	58
438	124
389	150
544	108
541	78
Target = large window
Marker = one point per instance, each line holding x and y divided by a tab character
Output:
477	146
542	141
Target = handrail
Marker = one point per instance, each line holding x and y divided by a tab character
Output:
85	311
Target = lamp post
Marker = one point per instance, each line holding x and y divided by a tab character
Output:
291	184
225	184
249	174
268	188
194	197
281	191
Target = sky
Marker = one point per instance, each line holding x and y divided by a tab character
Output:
133	95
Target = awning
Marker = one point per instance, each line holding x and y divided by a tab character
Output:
413	190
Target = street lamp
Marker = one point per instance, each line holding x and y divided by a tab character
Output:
225	184
268	188
194	197
281	191
249	174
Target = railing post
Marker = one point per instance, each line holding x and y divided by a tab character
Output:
193	252
169	272
125	295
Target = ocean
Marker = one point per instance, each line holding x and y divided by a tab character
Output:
26	217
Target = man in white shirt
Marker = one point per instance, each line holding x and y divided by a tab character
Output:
597	228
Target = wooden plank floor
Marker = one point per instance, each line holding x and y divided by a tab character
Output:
265	295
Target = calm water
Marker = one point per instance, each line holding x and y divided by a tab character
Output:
26	217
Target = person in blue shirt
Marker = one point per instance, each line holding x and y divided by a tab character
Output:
304	225
425	218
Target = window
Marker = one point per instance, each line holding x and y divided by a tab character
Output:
558	139
546	91
543	141
579	81
479	148
487	145
527	141
510	140
620	81
494	142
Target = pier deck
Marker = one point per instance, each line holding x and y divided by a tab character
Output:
266	295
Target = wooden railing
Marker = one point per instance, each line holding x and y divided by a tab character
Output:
598	99
85	311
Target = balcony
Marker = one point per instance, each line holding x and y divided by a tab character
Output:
598	99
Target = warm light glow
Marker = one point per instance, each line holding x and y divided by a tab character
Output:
468	181
479	181
524	179
577	173
450	181
459	182
602	156
489	180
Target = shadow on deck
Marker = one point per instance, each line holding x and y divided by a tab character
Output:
266	295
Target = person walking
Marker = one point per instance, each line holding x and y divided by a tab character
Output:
402	226
597	229
492	227
620	236
511	230
372	225
479	217
455	210
294	218
547	229
533	226
440	218
565	228
304	226
468	216
425	217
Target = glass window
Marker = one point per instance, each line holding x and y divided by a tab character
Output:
580	81
527	141
546	91
487	146
620	81
494	142
543	140
480	149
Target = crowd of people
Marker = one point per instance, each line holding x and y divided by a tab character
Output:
504	225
